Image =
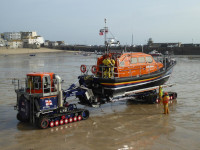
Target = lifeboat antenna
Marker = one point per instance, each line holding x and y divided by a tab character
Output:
105	32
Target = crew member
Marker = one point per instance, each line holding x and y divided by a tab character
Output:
160	93
112	67
109	66
105	69
165	100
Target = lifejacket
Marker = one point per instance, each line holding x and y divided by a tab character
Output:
107	62
104	62
165	99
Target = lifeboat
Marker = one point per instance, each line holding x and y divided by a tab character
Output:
128	72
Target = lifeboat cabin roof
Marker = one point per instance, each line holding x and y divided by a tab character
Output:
129	64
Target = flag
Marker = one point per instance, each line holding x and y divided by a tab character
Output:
100	33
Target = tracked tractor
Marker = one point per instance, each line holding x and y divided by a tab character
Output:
41	101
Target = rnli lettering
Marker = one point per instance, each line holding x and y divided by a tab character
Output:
149	66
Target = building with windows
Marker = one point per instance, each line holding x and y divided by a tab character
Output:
14	44
2	42
9	36
25	35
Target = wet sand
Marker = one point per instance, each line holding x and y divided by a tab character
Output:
120	126
4	51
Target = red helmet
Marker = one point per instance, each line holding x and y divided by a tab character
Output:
166	93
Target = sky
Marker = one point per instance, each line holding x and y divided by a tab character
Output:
79	21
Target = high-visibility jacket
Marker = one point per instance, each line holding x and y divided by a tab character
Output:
112	62
106	62
160	92
165	99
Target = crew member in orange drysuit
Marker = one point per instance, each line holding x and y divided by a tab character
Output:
165	101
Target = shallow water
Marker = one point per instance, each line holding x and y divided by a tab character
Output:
120	125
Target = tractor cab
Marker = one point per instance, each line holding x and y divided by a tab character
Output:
40	83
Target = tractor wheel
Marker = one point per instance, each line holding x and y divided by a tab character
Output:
61	122
66	121
75	119
43	123
79	118
56	122
70	120
51	124
85	114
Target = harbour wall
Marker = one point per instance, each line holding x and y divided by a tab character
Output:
146	49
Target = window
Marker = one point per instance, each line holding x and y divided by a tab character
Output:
149	59
37	82
34	82
141	59
121	64
46	81
30	83
133	60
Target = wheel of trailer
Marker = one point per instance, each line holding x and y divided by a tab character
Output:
66	121
151	99
75	119
51	124
70	120
43	123
79	118
85	114
56	122
20	118
61	122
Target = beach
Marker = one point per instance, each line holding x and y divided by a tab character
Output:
9	51
114	126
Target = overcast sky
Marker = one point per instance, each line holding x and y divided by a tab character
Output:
79	21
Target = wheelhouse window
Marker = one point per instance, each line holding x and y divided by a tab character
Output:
141	59
37	82
122	64
149	59
134	60
34	82
29	82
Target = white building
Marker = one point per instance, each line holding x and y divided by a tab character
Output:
2	42
29	34
14	44
34	40
46	43
12	36
39	39
54	43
